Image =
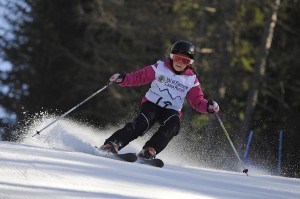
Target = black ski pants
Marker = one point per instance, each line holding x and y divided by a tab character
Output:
150	113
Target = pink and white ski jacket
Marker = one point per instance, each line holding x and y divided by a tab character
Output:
172	85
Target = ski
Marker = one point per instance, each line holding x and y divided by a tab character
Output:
127	157
131	157
151	162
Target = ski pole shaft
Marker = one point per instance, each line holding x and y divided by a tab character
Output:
72	109
228	137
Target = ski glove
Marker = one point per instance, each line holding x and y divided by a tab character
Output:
212	106
117	78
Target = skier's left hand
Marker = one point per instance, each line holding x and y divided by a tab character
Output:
212	106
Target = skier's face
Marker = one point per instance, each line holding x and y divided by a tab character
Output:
180	62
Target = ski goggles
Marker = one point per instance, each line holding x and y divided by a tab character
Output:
181	58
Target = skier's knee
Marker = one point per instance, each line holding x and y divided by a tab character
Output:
171	126
139	127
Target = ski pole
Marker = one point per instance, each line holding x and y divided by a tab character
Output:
227	135
72	109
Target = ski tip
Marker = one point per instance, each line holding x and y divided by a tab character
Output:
152	162
159	163
129	157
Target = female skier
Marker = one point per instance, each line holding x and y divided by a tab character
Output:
171	81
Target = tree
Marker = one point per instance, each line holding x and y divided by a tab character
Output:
260	66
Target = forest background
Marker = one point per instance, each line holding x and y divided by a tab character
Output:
60	52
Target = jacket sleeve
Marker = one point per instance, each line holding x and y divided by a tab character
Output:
141	77
196	98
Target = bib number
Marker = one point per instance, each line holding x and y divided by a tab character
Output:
163	104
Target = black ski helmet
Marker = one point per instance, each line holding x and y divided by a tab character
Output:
183	47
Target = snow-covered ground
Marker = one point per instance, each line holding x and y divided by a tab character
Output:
60	163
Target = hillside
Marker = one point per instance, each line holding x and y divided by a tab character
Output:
66	167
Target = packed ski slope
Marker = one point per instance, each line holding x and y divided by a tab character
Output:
61	163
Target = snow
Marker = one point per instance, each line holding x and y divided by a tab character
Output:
61	162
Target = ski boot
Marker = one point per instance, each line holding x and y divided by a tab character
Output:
148	153
110	147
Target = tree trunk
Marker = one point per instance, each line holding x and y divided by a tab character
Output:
260	68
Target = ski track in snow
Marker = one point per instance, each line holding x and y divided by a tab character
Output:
61	163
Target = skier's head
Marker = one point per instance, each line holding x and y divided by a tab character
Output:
183	47
182	54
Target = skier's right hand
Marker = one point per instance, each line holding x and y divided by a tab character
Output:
212	106
117	78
